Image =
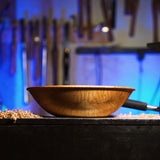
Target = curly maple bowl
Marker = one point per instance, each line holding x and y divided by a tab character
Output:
80	100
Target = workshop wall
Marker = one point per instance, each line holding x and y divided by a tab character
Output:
90	69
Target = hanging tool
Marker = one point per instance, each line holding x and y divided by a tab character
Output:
71	30
105	5
4	7
134	8
44	52
30	55
4	10
14	47
113	14
49	47
55	51
66	64
2	28
127	7
24	58
66	55
74	19
37	48
89	19
31	40
80	18
155	12
62	44
131	9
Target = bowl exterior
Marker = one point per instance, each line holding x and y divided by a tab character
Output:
80	101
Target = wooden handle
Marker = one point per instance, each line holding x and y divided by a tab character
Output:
66	54
44	28
155	11
80	18
23	26
113	15
31	41
66	63
49	46
37	49
55	51
13	49
71	31
89	19
23	29
5	4
134	8
127	7
48	30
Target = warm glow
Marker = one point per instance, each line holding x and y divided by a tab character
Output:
105	29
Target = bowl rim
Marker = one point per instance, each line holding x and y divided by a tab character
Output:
83	87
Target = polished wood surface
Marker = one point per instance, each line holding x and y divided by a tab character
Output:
80	101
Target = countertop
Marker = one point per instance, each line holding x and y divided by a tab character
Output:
79	121
63	138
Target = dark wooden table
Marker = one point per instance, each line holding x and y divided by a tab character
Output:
80	139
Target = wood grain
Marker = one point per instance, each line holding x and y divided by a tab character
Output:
80	101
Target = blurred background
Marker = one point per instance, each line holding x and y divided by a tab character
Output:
78	42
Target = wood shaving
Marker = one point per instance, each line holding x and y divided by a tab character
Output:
15	114
144	116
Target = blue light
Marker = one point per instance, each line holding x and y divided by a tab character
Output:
122	70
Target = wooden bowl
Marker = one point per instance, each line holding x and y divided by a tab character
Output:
80	101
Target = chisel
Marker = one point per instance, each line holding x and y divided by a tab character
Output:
155	12
66	54
44	53
66	64
134	9
13	48
37	48
89	18
105	4
55	52
113	14
24	58
80	18
49	40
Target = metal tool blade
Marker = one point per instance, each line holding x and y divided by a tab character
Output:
44	65
24	66
24	59
44	54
